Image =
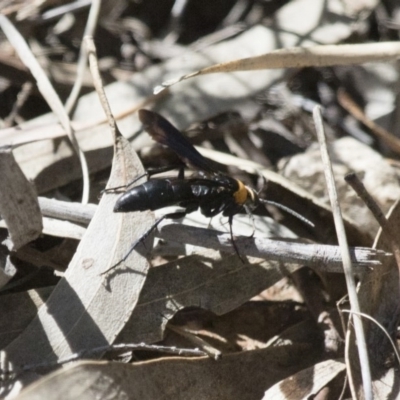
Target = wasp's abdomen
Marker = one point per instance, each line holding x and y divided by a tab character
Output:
158	193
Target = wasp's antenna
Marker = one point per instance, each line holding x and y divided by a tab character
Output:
289	211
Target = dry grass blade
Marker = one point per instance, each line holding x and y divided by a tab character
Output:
48	93
298	57
347	266
81	68
18	202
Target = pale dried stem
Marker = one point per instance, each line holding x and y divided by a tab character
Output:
82	61
347	265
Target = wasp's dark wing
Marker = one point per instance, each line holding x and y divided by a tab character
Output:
165	133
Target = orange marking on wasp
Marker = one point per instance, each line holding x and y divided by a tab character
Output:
241	194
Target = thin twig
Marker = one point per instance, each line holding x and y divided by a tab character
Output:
347	266
21	99
90	353
98	84
396	351
325	257
197	341
387	137
82	61
67	211
348	364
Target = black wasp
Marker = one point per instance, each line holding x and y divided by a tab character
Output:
212	192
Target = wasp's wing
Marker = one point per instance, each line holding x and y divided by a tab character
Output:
165	133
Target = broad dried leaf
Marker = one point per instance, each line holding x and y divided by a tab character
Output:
244	376
218	285
307	383
348	155
18	202
87	309
204	279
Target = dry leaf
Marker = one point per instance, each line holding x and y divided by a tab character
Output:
18	202
348	155
299	57
218	285
87	309
244	375
307	383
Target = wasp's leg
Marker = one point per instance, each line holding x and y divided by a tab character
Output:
122	188
233	240
181	172
150	172
251	216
